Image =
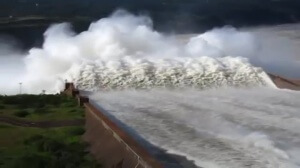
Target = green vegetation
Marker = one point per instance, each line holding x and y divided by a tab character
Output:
24	147
40	107
21	113
43	148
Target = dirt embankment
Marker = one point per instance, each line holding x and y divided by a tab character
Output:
284	83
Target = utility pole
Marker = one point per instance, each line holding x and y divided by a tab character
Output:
20	87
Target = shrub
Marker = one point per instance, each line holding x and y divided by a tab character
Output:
56	154
70	104
34	139
72	110
33	100
10	100
40	105
76	131
44	144
32	160
22	106
21	113
51	99
52	146
41	111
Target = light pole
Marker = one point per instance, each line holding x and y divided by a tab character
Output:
20	87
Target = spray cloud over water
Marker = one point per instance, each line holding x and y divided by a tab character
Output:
123	51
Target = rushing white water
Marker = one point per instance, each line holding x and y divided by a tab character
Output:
203	72
123	51
222	128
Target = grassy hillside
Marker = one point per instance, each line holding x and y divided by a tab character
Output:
40	107
34	147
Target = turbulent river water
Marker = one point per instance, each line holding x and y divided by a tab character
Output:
226	128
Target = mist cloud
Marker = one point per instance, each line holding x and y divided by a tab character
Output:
124	50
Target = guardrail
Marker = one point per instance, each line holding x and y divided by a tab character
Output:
109	143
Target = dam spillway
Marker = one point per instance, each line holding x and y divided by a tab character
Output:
254	127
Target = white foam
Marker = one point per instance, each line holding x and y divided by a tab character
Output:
202	72
123	51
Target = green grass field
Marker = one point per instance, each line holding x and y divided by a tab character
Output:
40	107
24	147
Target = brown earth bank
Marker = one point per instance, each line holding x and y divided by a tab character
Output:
284	83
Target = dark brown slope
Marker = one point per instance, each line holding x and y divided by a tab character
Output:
284	83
